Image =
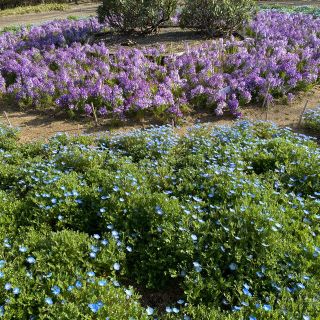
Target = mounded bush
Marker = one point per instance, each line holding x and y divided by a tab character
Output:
136	16
216	17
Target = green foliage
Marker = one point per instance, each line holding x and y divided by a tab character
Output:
136	16
311	119
313	10
229	217
216	17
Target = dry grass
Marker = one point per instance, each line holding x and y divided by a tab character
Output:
35	9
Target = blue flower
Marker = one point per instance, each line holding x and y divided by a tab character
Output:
197	266
194	237
104	242
116	266
23	249
252	318
233	266
16	290
128	292
7	286
116	283
95	307
149	311
48	301
247	292
159	210
306	317
1	274
175	310
236	308
31	260
168	309
102	283
91	274
1	311
266	307
55	290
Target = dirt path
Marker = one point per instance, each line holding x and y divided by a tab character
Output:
42	125
82	10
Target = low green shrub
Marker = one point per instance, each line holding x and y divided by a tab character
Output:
136	16
216	17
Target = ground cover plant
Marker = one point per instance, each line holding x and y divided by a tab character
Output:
313	10
52	66
228	215
311	119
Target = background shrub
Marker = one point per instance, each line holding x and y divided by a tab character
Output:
136	16
216	17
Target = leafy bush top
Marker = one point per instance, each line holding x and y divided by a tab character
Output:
216	17
136	16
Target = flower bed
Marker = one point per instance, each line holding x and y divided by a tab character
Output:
229	215
49	68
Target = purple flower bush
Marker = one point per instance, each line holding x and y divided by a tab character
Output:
55	33
51	66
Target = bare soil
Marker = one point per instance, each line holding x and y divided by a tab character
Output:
42	125
172	39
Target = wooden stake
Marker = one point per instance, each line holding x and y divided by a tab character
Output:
94	114
265	101
301	116
5	114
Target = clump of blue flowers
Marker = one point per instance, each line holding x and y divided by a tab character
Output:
228	216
